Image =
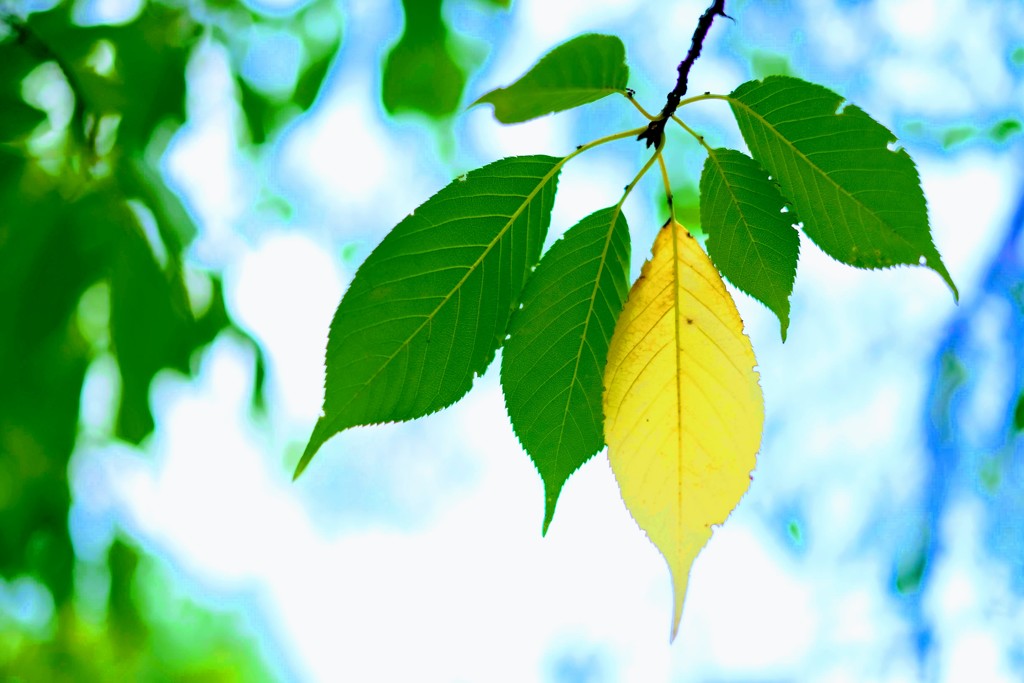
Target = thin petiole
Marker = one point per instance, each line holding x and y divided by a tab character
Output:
641	174
667	182
600	141
705	96
640	108
695	134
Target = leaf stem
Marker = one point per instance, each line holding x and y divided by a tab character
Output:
600	141
668	184
641	174
705	96
647	115
695	134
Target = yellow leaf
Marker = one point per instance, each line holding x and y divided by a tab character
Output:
682	403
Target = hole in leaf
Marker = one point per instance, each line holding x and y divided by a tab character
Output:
923	260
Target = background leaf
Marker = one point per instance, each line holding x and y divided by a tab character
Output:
683	407
577	72
1018	414
149	55
17	118
553	363
751	241
420	72
860	201
429	307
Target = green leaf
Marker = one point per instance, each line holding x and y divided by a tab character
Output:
552	365
860	201
1005	129
17	119
420	73
311	80
1018	414
769	64
750	239
580	71
50	252
150	53
957	135
429	307
260	112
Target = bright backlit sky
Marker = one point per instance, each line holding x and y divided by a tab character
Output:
413	551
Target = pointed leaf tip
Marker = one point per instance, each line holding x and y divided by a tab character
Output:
549	512
859	199
683	405
952	286
316	440
553	362
749	224
307	457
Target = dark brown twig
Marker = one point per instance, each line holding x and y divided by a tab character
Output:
656	129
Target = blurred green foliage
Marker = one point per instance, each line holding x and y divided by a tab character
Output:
1018	414
421	72
1001	132
426	70
763	64
152	633
1005	129
92	264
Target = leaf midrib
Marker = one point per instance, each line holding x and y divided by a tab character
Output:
814	167
677	305
586	327
739	207
458	286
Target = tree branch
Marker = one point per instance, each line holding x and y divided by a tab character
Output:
656	129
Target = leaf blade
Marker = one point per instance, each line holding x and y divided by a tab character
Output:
682	449
555	356
577	72
750	240
430	305
860	201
